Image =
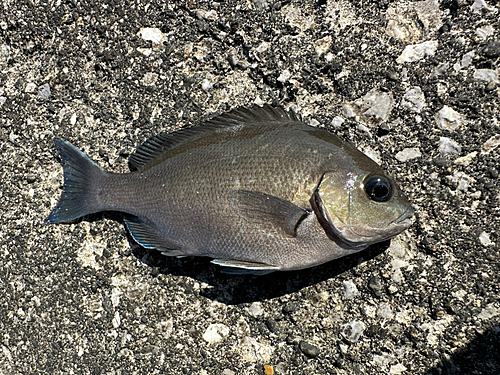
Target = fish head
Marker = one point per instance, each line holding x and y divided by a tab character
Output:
358	208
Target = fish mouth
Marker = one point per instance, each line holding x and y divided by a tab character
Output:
406	218
397	226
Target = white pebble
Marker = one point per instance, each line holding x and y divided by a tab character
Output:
363	129
152	34
254	351
463	184
13	137
397	369
149	79
145	51
449	147
486	75
314	123
397	276
116	320
484	32
321	46
206	85
284	76
416	52
44	91
215	333
376	104
385	312
353	330
337	121
479	5
413	99
348	111
490	144
256	309
490	311
465	160
258	101
350	290
408	154
260	3
210	15
484	238
392	289
449	119
30	87
263	47
466	59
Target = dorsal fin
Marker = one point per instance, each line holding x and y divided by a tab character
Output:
254	114
161	143
155	146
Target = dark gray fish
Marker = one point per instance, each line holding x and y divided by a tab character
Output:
256	189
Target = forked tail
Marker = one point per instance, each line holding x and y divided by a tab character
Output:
82	179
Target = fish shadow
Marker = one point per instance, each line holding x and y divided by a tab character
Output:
236	289
245	289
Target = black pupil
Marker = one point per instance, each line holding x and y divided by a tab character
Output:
378	189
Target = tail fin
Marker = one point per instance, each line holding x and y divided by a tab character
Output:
81	177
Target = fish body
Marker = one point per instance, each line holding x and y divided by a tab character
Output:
256	189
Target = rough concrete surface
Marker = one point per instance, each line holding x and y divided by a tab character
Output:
414	84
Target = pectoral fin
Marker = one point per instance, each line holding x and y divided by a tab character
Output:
264	209
238	267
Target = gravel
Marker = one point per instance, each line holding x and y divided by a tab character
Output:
309	349
393	78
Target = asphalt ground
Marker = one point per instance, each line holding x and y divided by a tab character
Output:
415	85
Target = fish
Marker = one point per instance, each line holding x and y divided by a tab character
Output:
256	189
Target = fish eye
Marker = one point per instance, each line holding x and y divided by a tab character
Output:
378	188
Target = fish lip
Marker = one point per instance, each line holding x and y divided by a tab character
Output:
406	217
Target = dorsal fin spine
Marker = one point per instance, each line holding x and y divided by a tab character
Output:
161	143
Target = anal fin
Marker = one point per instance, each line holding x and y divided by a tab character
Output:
238	267
146	234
